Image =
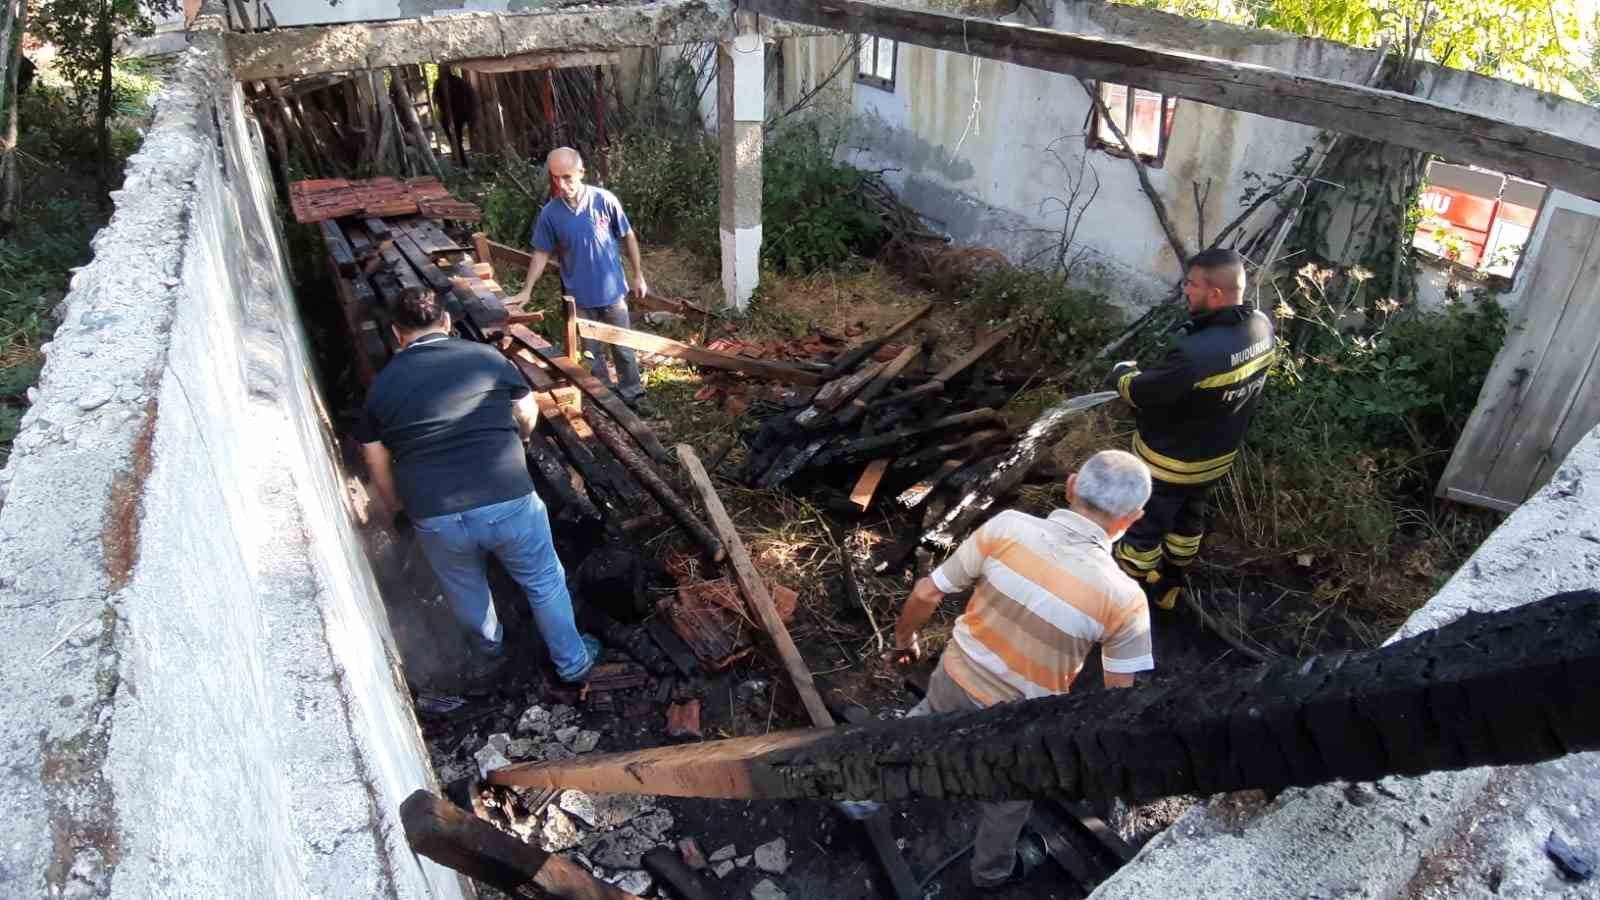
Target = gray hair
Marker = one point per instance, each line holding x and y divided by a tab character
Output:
1114	482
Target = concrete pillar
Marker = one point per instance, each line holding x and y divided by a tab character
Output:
741	108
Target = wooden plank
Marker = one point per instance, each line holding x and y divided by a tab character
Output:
424	265
867	484
572	345
1530	454
378	228
754	588
700	356
602	395
599	475
850	358
904	440
339	249
453	837
548	59
944	376
880	382
623	449
631	494
566	486
1385	116
1512	377
395	264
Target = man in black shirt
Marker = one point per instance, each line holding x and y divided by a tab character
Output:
442	433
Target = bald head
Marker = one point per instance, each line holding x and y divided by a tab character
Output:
565	168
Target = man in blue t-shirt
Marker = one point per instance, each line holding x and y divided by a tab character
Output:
442	434
584	225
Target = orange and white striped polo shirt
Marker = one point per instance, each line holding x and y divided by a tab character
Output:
1047	591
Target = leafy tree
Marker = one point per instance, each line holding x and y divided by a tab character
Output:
13	20
1544	44
85	33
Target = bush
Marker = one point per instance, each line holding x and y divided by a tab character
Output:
814	211
667	179
1056	324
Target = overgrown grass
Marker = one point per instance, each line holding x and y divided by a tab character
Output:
58	215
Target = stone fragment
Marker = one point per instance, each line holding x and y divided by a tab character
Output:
728	852
500	741
489	758
633	881
535	720
742	861
584	741
767	890
556	753
721	869
559	831
773	857
655	824
96	395
580	805
560	713
521	748
566	734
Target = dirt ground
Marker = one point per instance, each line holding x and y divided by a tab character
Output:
795	543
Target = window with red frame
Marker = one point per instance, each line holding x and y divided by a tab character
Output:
1476	218
1143	117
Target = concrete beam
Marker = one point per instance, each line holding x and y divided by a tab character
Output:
741	109
1406	121
293	52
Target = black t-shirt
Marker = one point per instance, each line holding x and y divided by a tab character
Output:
442	407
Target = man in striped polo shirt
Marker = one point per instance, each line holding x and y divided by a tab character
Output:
1044	592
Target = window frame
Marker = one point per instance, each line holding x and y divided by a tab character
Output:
871	78
1169	114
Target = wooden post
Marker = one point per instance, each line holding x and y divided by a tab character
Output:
452	837
574	347
602	148
755	589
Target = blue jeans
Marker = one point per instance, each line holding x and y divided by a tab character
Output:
516	531
627	361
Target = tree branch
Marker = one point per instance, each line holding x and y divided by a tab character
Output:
1156	203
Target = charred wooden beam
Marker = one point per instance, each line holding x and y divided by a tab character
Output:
947	374
339	250
624	450
1010	472
603	397
452	837
1507	688
1379	115
904	440
851	358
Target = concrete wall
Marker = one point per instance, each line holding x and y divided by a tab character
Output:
968	143
202	699
1369	840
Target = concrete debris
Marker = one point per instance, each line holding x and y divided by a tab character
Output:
689	850
559	832
742	861
773	857
560	713
96	395
555	753
580	805
565	735
766	890
624	848
721	869
755	687
499	741
536	720
522	748
584	741
489	758
728	852
633	881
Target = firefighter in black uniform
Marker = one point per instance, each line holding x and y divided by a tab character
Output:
1192	412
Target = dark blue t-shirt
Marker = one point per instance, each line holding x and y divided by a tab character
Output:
442	407
584	241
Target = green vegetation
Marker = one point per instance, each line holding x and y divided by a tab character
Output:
59	213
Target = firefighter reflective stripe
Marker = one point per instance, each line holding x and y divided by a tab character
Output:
1182	548
1124	387
1177	471
1141	565
1236	375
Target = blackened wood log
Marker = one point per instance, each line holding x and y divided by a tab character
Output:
790	461
361	243
378	228
970	446
944	376
394	262
858	404
834	394
1036	441
851	358
912	497
683	659
625	451
452	837
683	882
344	258
905	440
597	476
558	482
629	491
1507	688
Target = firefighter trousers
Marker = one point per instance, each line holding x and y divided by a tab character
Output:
1174	521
